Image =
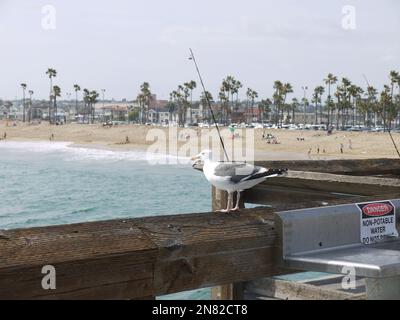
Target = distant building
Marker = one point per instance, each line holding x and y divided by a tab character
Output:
252	115
3	112
114	112
195	117
152	116
157	104
164	117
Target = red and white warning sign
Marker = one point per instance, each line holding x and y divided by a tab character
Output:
378	220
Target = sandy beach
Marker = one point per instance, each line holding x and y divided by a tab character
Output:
291	144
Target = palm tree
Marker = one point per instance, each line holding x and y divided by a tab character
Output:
372	105
173	97
180	97
398	82
394	79
93	99
144	100
385	109
264	108
76	89
287	88
346	100
224	93
237	85
51	73
191	85
230	86
294	106
30	105
227	91
318	92
278	99
251	96
86	100
185	94
329	81
339	94
206	99
23	86
223	96
56	93
171	106
355	93
140	99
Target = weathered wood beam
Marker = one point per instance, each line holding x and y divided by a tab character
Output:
332	183
138	258
332	202
277	196
283	200
345	167
289	290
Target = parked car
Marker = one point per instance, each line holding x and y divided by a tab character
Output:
377	129
356	128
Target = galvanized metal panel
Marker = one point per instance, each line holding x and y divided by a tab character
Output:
328	239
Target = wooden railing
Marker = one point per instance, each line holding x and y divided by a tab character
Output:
147	257
137	258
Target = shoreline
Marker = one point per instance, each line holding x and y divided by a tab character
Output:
316	145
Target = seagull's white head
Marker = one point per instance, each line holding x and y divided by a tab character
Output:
204	155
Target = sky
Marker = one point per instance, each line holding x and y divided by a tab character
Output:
117	45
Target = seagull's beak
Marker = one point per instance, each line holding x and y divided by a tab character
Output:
195	158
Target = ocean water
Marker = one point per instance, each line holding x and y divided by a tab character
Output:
50	183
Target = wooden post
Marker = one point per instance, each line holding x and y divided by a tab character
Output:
233	291
219	199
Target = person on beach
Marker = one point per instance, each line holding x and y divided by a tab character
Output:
232	130
5	136
350	145
126	140
341	148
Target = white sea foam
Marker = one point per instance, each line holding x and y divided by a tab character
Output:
77	153
33	146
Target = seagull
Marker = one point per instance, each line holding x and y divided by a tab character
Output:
234	176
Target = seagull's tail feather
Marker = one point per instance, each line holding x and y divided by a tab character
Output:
271	173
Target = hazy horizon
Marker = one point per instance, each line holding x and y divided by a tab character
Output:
118	45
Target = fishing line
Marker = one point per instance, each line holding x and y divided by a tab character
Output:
209	103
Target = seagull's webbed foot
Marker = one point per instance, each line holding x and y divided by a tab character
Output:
223	211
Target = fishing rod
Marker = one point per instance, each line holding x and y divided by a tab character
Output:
385	124
208	102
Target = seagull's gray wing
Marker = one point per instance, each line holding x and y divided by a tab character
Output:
236	172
